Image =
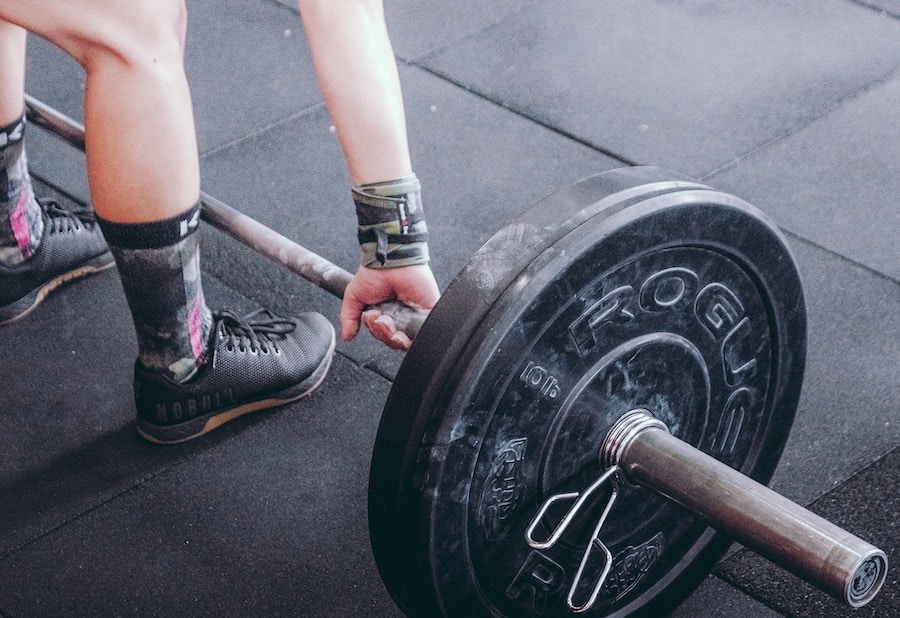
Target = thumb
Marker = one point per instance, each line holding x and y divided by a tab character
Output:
351	309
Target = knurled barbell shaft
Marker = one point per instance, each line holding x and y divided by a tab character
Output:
261	239
762	520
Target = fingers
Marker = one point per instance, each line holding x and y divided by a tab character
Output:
412	285
385	330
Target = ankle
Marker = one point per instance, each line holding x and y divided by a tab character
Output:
165	359
159	266
21	218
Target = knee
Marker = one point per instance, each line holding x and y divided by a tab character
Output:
154	31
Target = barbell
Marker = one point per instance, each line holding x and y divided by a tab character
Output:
588	417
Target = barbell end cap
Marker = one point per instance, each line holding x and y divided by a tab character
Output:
867	578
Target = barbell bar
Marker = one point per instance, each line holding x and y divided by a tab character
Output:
639	449
691	341
805	544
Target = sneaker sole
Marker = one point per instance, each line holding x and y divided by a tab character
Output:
204	424
19	309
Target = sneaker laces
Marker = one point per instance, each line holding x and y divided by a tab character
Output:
258	331
61	219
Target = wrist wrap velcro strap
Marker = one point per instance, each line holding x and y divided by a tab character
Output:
391	230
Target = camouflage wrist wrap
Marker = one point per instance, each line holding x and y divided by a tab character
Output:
392	230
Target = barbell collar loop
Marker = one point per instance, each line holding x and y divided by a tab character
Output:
580	498
828	557
595	545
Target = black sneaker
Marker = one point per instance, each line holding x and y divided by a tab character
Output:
72	247
256	362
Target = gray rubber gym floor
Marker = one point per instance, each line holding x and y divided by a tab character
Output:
793	106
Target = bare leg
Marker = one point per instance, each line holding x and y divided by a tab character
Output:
142	163
12	72
144	177
138	171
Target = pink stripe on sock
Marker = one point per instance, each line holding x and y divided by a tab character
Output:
19	221
195	324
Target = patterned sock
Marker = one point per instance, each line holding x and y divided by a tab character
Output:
21	218
159	264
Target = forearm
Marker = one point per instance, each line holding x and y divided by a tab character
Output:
357	73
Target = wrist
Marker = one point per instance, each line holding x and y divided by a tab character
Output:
391	224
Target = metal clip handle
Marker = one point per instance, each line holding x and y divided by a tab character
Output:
595	544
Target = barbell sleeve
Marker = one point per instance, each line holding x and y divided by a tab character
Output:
762	520
258	237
